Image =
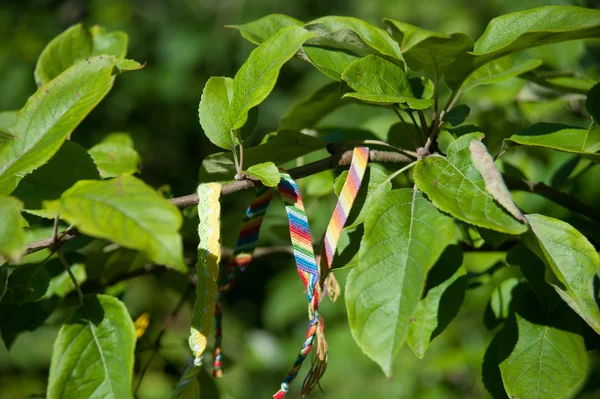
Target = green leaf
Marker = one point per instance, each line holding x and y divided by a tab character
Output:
214	111
331	62
309	111
128	212
378	81
266	172
455	186
27	283
428	51
567	84
257	76
542	355
51	114
93	353
115	156
559	137
12	236
498	71
374	185
494	184
592	102
7	118
318	185
262	29
73	45
518	31
571	263
444	295
458	114
354	35
283	147
404	236
69	165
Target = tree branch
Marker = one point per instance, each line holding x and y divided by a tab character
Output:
339	158
564	199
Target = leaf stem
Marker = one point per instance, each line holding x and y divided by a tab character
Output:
454	97
399	171
239	136
63	260
424	127
422	134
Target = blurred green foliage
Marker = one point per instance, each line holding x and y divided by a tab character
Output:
184	42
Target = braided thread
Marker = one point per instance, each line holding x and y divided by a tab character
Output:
307	269
360	158
242	256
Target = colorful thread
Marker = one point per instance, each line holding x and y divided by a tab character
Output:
242	256
358	166
307	269
207	271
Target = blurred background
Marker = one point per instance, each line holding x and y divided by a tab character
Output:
184	42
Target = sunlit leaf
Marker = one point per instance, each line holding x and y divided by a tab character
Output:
444	295
75	44
262	29
214	111
559	137
128	212
542	355
257	76
266	172
115	156
404	236
571	263
518	31
498	71
455	186
51	114
93	353
378	81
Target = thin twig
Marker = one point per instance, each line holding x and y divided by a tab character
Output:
423	121
63	260
156	345
55	229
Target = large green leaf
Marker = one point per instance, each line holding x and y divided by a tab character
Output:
378	81
354	35
285	146
12	236
308	112
53	112
93	353
332	62
128	212
69	165
257	76
29	316
115	155
75	44
559	137
571	263
525	29
262	29
428	51
444	295
455	186
404	236
542	355
498	71
214	111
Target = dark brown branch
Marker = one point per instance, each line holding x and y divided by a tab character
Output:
336	160
564	199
